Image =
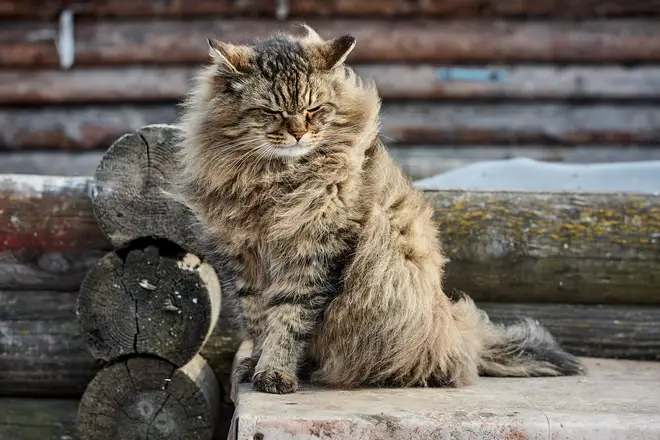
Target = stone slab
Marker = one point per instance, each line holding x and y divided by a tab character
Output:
616	400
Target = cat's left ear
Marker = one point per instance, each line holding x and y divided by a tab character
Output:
338	49
233	58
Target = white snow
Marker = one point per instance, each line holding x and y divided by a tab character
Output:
524	174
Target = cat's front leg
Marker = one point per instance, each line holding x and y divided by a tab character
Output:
254	314
291	319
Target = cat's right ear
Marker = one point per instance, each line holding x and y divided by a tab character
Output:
233	58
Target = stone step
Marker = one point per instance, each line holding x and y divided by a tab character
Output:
616	400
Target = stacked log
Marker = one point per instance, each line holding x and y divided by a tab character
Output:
148	307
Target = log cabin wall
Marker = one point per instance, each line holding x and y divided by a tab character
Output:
581	79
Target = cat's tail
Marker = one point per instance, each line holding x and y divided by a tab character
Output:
520	349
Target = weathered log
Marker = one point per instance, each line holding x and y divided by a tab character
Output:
143	397
43	351
50	10
477	8
410	123
134	198
169	83
602	247
555	247
49	238
152	300
57	363
93	127
34	9
38	419
50	163
582	328
166	42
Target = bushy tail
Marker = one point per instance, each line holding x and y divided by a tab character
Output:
524	348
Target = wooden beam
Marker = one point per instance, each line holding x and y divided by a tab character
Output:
511	246
412	123
50	10
580	328
476	8
170	83
48	234
43	351
43	354
555	247
34	9
167	42
43	419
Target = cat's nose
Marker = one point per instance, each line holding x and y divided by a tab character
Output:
298	134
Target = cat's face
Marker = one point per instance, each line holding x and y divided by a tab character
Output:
289	113
284	96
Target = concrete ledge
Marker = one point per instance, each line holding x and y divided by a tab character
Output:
617	400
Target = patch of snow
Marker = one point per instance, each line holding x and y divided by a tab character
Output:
524	174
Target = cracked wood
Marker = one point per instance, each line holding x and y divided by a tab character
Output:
152	299
145	397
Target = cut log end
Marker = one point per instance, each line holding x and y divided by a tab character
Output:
142	398
155	300
133	189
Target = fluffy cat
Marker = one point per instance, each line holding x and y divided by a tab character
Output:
333	255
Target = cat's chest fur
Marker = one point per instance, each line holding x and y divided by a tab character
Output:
285	217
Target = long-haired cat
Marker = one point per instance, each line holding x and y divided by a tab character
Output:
333	255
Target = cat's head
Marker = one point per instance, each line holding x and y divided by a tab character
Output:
287	96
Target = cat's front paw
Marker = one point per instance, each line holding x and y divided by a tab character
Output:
244	369
275	382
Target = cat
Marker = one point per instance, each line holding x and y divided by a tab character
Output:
332	254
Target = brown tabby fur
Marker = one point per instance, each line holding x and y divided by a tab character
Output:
333	254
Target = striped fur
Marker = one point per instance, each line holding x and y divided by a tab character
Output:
333	256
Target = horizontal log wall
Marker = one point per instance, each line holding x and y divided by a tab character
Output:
170	42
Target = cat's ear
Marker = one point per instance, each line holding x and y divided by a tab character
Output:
232	57
312	36
337	50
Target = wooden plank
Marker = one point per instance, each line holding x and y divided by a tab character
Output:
412	123
38	419
50	163
42	352
555	247
167	42
517	124
31	9
49	238
582	327
50	10
476	8
169	83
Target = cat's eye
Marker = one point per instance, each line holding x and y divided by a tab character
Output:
268	111
315	109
